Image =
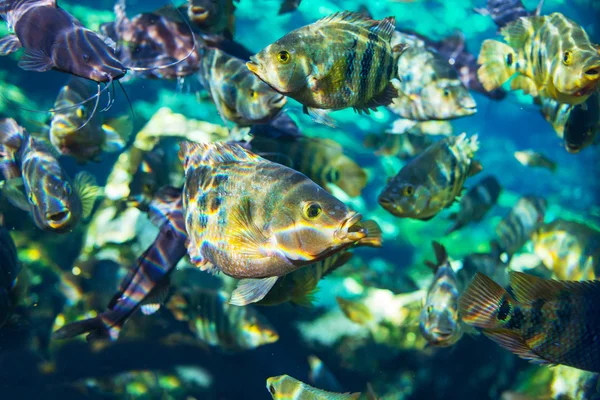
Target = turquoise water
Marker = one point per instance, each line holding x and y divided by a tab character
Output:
68	277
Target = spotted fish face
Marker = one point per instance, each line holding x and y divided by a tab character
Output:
346	174
576	72
439	322
448	99
260	103
405	198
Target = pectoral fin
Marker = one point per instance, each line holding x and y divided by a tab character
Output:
251	290
9	44
36	60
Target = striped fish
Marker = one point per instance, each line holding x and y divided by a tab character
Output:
551	56
217	323
343	60
148	280
522	221
439	321
476	203
433	180
37	183
284	387
239	95
322	160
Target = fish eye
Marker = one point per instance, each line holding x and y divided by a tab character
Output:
408	191
272	389
253	94
567	58
446	93
86	58
429	309
31	198
68	189
312	210
284	57
333	175
81	112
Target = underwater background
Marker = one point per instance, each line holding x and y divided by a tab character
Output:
74	275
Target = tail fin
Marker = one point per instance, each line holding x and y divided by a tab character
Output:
441	256
497	62
485	304
96	329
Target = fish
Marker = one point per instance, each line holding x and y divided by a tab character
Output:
582	124
355	311
300	65
54	39
548	322
476	203
532	158
76	130
432	180
516	228
321	376
213	16
489	263
41	186
9	271
550	55
239	95
403	146
285	387
288	6
300	287
251	218
147	281
439	320
219	324
429	87
570	249
504	12
321	159
155	45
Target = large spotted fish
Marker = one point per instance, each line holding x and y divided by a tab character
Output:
252	218
285	387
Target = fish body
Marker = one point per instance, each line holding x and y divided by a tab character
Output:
48	194
343	60
148	279
220	324
288	6
213	16
71	135
532	158
550	55
476	203
522	221
504	12
433	180
320	159
571	250
9	270
54	39
239	95
582	124
403	146
439	321
285	387
548	322
355	311
429	87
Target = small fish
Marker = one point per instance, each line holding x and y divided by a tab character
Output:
432	128
9	270
504	12
583	124
489	264
42	187
149	177
429	87
216	322
302	66
355	311
516	228
433	180
288	6
403	146
571	250
252	218
213	16
320	159
54	39
300	287
550	55
548	322
148	280
321	376
439	322
532	158
476	203
285	387
74	132
239	95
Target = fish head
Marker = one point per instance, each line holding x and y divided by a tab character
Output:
83	53
346	174
311	223
405	198
576	74
201	12
257	331
53	202
259	103
439	322
281	65
282	386
449	99
582	125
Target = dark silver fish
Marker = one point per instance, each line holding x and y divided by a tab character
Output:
288	6
583	124
476	203
504	12
54	39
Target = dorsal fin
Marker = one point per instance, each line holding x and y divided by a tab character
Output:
528	288
384	27
215	153
441	256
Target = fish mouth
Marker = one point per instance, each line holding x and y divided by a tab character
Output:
589	88
253	65
59	219
572	149
278	102
350	229
389	205
200	14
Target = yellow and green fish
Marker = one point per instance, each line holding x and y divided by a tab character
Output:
535	159
547	322
252	218
550	55
433	180
341	61
284	387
